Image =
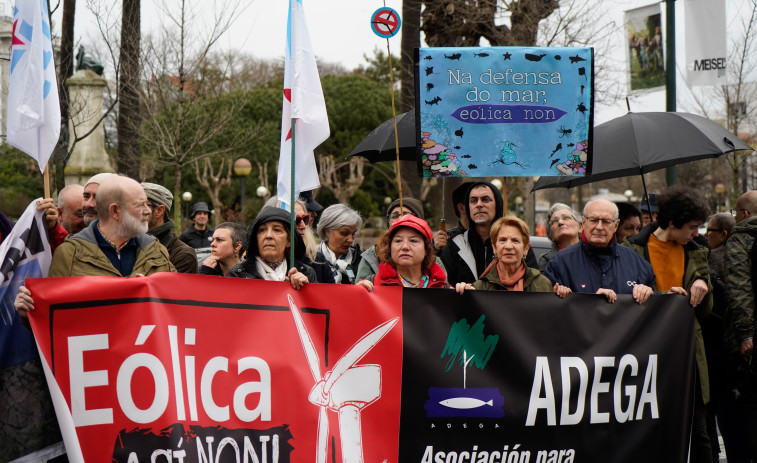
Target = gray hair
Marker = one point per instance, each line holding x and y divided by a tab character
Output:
616	213
556	207
70	193
337	216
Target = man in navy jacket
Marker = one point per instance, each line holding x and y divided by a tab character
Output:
598	264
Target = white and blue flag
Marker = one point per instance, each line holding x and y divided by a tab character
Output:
33	122
303	102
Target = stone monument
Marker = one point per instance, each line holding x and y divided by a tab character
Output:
6	31
89	157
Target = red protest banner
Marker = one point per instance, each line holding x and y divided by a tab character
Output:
194	368
191	368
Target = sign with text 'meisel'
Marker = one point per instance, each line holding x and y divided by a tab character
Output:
504	111
192	368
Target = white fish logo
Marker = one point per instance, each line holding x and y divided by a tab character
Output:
465	403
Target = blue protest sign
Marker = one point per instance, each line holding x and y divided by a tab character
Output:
504	111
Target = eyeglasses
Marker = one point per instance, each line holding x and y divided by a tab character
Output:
397	215
710	230
152	205
736	211
302	218
565	218
595	221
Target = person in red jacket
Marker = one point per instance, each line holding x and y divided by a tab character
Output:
407	257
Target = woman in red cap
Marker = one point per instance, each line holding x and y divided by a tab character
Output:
407	257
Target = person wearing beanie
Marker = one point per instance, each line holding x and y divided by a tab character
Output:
648	208
268	257
181	255
310	204
89	201
199	235
369	264
407	257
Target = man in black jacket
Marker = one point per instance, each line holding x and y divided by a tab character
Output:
199	235
467	255
181	255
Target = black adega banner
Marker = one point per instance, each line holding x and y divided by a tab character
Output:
500	377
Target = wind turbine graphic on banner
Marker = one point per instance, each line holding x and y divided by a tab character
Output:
346	389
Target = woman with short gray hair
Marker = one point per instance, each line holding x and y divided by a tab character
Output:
337	228
563	229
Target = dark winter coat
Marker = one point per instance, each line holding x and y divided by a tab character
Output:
248	269
182	255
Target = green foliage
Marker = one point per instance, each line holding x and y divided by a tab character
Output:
356	105
21	181
378	67
361	201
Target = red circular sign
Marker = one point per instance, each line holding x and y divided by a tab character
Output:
385	22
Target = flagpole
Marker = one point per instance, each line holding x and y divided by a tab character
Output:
394	119
292	215
46	180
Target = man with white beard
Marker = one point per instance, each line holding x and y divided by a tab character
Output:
114	245
117	243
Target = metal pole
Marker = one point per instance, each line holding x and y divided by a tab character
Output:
292	199
671	173
241	201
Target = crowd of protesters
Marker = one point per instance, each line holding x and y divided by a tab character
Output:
116	226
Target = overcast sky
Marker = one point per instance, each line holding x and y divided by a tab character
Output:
340	32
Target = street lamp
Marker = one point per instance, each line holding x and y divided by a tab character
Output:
242	169
187	197
519	205
628	194
262	191
719	194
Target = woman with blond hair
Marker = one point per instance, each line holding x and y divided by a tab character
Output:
508	271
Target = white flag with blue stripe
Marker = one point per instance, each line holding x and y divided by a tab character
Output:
33	122
304	102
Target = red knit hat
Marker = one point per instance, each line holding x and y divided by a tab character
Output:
416	224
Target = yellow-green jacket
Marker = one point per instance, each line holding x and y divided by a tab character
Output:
80	255
533	280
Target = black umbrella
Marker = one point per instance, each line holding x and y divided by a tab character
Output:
644	142
379	144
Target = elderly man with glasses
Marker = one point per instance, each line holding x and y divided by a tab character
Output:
598	264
